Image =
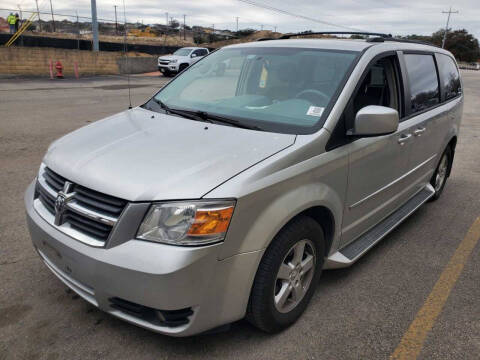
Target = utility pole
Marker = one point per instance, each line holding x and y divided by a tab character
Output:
21	14
449	12
94	25
261	27
236	18
183	27
116	24
53	20
38	14
166	18
275	29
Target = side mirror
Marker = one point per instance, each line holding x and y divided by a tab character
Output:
193	55
375	120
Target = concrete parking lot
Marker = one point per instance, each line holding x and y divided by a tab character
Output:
395	292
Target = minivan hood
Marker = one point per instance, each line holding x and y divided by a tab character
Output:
140	155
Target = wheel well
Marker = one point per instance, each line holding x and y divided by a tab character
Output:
184	66
324	217
452	144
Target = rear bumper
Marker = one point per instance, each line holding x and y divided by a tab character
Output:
156	276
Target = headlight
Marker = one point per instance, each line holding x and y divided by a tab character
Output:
187	223
173	61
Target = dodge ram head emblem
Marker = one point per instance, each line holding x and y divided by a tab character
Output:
61	202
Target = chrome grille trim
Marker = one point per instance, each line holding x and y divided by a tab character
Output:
79	209
65	227
81	220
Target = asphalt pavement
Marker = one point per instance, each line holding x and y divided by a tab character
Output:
362	312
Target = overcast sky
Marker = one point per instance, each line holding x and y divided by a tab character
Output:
390	16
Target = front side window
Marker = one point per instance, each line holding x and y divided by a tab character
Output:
378	87
422	76
274	89
449	77
182	52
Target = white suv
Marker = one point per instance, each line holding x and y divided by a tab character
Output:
180	60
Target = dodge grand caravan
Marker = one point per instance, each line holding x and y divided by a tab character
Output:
227	193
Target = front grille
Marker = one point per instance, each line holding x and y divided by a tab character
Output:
99	202
87	226
45	198
55	181
164	62
88	212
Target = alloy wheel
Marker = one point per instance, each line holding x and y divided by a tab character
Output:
294	276
441	175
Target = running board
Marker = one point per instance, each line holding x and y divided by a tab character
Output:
353	251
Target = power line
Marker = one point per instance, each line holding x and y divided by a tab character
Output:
271	8
449	12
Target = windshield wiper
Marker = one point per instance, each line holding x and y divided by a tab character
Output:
184	113
205	116
225	120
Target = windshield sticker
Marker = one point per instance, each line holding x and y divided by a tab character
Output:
315	111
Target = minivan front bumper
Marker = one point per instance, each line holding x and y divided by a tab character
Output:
160	279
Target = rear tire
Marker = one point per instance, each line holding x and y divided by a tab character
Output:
287	275
439	178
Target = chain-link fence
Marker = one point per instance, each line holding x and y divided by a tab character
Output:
76	27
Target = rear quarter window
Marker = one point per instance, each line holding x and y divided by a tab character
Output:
422	77
449	77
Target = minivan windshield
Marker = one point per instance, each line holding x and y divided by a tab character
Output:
182	52
273	89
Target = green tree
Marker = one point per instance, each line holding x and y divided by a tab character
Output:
460	43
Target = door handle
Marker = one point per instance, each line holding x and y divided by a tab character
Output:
404	138
419	131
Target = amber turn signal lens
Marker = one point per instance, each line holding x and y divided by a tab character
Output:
213	221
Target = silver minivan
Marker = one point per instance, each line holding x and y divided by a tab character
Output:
227	193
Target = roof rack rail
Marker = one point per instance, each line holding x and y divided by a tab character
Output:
383	39
288	36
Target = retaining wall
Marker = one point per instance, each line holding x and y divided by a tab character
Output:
35	62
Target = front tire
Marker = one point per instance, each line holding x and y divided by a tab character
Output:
287	275
439	178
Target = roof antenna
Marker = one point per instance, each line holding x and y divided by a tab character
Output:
125	48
